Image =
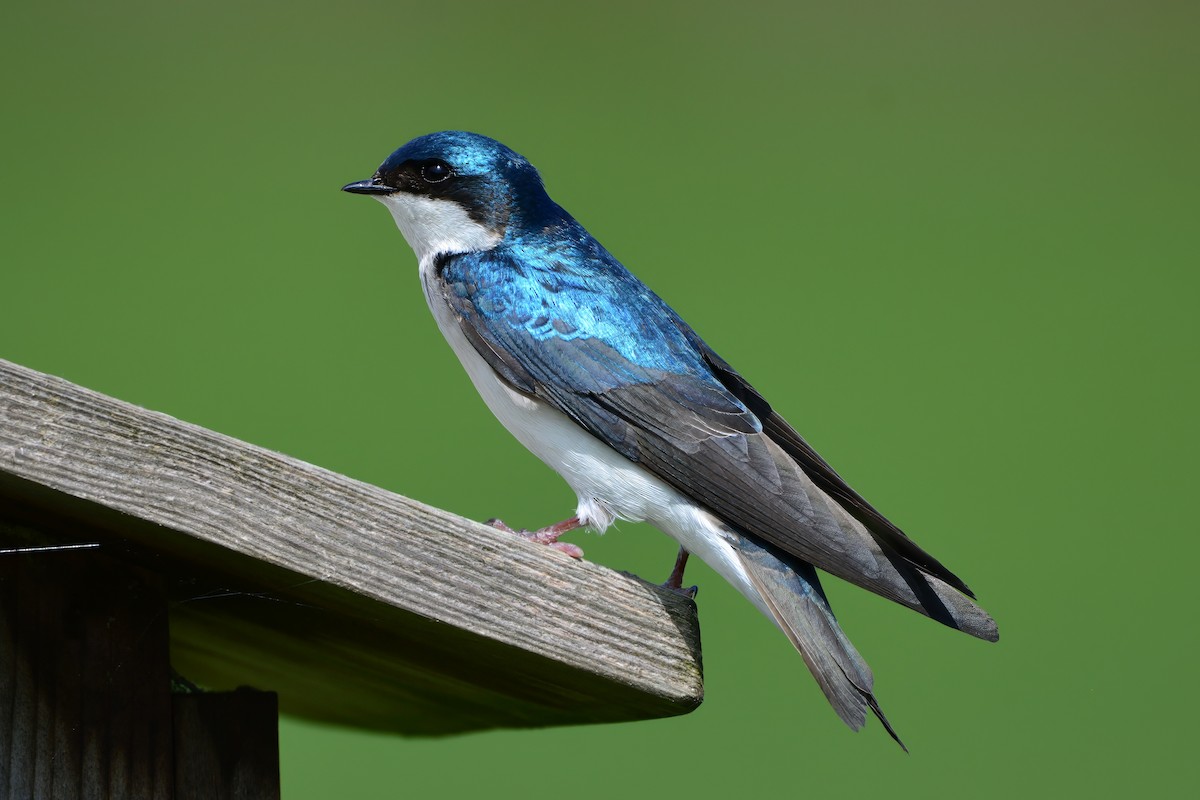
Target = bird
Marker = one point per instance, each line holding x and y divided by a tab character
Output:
605	383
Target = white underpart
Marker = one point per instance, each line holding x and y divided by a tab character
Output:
608	485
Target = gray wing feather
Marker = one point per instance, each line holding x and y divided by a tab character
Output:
750	482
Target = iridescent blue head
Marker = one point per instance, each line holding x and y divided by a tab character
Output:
455	191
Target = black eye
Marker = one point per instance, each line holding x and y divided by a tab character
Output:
435	171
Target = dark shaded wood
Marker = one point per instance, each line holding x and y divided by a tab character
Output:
84	682
227	746
356	605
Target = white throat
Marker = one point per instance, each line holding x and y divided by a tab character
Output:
437	226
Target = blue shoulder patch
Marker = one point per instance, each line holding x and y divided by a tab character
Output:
573	296
578	324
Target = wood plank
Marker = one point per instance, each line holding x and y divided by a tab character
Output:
85	709
227	746
356	605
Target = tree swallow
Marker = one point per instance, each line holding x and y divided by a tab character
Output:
604	382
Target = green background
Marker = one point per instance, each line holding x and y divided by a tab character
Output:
956	245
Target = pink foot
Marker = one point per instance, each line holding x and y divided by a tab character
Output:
675	581
547	535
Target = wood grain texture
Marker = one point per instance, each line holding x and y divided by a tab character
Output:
226	746
356	605
85	709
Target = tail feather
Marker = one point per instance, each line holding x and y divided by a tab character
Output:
791	594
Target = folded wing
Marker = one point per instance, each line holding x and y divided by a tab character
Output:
637	377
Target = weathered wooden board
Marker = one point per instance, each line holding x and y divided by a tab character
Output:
85	702
354	604
226	746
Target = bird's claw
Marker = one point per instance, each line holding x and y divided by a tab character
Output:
573	550
500	525
690	592
547	535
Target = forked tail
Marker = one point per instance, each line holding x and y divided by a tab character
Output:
792	594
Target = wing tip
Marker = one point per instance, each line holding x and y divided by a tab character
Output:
957	610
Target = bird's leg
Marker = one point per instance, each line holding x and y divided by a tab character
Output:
550	533
547	535
675	581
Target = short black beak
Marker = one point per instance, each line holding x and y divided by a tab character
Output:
371	186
